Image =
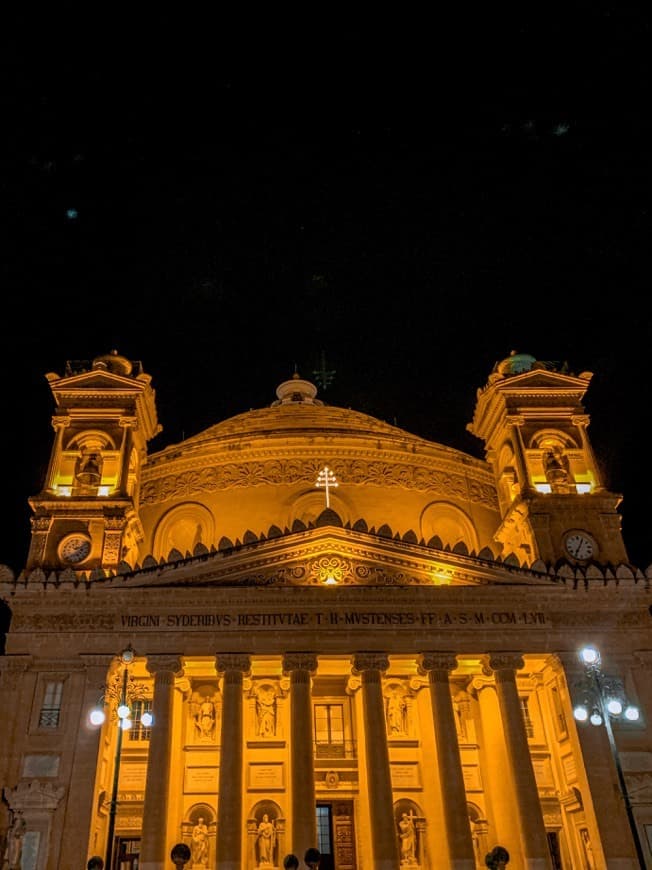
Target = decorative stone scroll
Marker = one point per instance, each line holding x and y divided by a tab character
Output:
225	662
369	661
300	662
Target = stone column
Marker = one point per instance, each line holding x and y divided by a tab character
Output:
384	833
229	804
498	785
79	808
154	848
458	828
301	667
528	806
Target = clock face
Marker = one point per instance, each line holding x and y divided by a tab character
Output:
580	545
75	548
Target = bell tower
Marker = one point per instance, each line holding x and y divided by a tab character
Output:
86	515
552	499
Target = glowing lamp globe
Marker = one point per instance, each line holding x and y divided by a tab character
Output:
97	717
581	713
589	655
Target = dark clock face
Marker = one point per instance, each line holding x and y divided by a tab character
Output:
75	548
580	546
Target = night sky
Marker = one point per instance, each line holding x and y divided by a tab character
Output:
406	222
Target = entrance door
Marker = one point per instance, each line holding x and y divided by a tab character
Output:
128	854
336	835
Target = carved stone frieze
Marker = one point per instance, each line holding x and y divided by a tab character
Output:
279	471
63	622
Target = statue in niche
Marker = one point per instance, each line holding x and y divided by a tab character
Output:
265	711
204	715
557	469
407	834
462	707
200	843
266	840
396	712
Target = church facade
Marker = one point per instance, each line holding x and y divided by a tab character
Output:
348	637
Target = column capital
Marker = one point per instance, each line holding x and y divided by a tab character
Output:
157	663
299	661
437	661
482	682
505	661
369	661
233	662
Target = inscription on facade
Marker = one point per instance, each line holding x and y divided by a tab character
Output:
266	776
201	780
336	619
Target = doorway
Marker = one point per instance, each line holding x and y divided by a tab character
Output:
127	854
336	835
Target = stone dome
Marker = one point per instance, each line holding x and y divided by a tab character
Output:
516	363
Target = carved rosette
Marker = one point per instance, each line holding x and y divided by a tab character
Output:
326	567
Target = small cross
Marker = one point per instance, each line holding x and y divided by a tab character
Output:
326	479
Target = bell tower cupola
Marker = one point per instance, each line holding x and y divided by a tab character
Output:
550	490
86	515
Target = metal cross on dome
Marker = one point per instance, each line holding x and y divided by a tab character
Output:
326	480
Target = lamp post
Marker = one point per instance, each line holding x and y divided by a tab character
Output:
118	694
604	700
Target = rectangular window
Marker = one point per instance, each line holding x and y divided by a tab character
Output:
324	836
329	730
51	707
529	727
560	718
138	731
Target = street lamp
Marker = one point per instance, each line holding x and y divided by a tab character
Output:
603	700
118	695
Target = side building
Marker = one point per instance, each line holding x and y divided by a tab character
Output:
306	627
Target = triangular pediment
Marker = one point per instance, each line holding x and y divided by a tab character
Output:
96	379
544	379
330	555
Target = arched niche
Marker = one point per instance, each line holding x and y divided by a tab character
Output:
307	508
182	528
450	524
